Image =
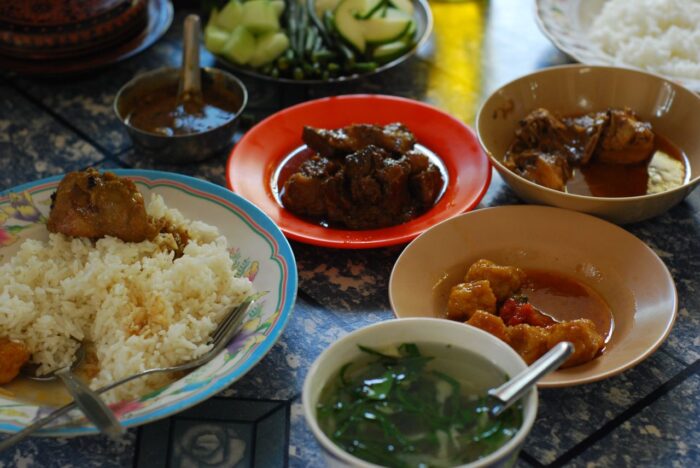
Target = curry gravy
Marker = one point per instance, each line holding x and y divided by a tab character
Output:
160	111
668	168
564	298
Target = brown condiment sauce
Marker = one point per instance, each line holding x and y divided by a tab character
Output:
564	298
600	179
160	112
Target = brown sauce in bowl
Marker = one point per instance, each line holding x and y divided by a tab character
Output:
160	112
668	168
564	298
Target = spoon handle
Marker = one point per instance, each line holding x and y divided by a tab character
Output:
92	405
511	391
190	78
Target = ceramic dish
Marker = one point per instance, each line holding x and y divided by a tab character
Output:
629	276
261	151
424	25
258	248
670	109
416	330
567	23
160	16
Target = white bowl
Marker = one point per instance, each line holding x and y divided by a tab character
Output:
415	330
630	277
578	89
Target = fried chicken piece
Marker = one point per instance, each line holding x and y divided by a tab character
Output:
467	298
528	341
626	140
394	138
13	356
489	323
94	205
582	333
504	280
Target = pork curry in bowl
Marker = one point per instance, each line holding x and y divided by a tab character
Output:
603	289
616	143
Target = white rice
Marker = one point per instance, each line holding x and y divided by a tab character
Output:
661	36
141	308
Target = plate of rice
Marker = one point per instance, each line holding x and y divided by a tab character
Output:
657	36
139	305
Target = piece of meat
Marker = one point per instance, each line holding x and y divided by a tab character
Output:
504	280
544	131
467	298
548	170
395	138
626	140
13	356
528	341
583	334
303	191
489	323
94	205
586	131
426	186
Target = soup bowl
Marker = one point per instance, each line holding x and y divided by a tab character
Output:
457	336
579	89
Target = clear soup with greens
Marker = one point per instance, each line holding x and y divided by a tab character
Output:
411	406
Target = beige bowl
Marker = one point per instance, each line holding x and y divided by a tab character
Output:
622	269
672	110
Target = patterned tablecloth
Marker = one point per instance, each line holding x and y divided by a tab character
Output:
647	416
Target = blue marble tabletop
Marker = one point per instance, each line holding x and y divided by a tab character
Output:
646	416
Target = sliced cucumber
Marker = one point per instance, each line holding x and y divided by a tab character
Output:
404	5
348	26
215	38
268	47
390	50
240	46
373	8
278	6
387	28
260	17
321	6
230	16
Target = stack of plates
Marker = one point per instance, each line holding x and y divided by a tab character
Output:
69	35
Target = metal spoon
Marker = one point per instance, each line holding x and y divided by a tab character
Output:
93	407
190	86
508	393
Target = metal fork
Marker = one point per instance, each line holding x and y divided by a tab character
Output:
222	336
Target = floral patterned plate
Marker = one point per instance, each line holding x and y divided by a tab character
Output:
567	22
258	249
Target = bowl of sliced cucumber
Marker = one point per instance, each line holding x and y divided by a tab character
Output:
316	41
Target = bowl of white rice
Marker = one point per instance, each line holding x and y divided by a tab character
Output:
137	304
575	90
658	36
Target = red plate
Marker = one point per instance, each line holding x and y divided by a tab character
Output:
260	152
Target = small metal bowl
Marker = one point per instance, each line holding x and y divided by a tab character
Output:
180	149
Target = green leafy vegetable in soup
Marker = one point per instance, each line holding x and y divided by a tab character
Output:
405	408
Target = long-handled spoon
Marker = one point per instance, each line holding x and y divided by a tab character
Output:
508	393
190	86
